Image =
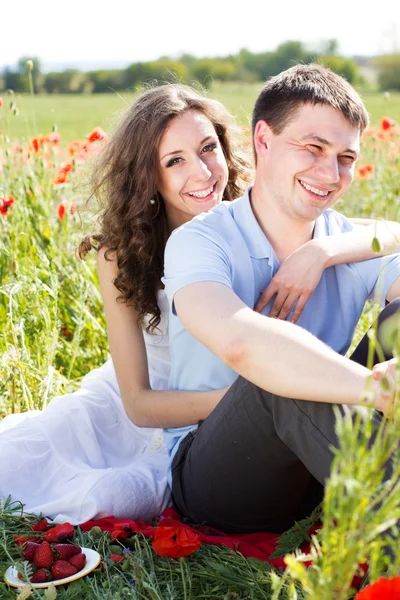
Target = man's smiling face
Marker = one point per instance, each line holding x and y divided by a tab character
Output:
310	164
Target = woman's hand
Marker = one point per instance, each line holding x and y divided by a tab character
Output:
296	280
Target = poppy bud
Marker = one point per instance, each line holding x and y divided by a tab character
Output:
376	245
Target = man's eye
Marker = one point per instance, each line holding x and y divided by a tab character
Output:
315	148
209	147
173	161
347	159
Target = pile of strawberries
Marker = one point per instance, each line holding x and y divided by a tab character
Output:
50	553
53	561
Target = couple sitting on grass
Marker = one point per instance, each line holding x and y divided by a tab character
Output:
233	342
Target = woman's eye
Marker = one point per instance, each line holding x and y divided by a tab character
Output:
209	147
173	161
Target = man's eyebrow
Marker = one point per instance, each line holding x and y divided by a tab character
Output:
179	151
324	142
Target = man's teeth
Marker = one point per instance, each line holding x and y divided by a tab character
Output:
202	194
313	189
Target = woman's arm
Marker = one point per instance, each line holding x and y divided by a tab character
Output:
300	273
357	245
145	407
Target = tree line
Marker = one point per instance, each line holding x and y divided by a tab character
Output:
245	66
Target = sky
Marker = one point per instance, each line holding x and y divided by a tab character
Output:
80	31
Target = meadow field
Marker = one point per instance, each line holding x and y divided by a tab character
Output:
52	332
75	116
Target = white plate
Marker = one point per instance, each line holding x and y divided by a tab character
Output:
93	559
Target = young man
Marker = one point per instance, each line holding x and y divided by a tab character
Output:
260	459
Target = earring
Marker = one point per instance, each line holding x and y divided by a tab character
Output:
152	200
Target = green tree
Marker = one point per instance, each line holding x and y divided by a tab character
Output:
388	66
292	53
12	80
105	81
342	66
166	69
330	47
70	81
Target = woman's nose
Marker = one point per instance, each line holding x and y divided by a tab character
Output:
201	170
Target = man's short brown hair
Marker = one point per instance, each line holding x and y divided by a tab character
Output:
283	94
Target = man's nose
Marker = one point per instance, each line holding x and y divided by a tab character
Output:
328	170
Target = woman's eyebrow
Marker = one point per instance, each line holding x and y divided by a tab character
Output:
179	151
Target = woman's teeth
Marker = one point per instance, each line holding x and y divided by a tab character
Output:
202	194
313	189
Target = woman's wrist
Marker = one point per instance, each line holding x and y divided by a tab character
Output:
321	248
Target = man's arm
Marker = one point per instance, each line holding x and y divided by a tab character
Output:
275	355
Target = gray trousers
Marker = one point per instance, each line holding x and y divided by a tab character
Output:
259	462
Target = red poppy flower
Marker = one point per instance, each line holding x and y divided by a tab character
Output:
365	171
97	134
116	557
53	137
66	332
59	533
61	211
19	540
386	123
1	102
62	174
5	204
175	541
121	531
61	177
382	589
37	143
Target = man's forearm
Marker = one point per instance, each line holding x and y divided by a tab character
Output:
287	360
275	355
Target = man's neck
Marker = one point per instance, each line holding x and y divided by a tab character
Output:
285	234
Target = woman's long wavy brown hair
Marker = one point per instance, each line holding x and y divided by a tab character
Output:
131	228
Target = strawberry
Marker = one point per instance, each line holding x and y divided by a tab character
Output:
41	576
66	551
43	556
78	561
62	568
41	526
30	549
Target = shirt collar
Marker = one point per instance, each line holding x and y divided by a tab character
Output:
256	241
321	227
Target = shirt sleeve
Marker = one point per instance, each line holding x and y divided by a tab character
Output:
192	256
378	276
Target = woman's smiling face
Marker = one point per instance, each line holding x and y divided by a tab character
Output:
192	170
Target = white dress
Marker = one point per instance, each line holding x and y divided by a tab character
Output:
82	457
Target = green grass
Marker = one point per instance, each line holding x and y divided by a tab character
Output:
76	115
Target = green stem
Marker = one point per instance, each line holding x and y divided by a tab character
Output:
32	92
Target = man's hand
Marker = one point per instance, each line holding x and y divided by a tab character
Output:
293	284
384	385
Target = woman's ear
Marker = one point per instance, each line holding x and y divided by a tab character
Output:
262	136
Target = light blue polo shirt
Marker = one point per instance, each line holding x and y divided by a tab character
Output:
227	245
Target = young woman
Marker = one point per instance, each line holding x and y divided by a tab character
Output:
99	451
